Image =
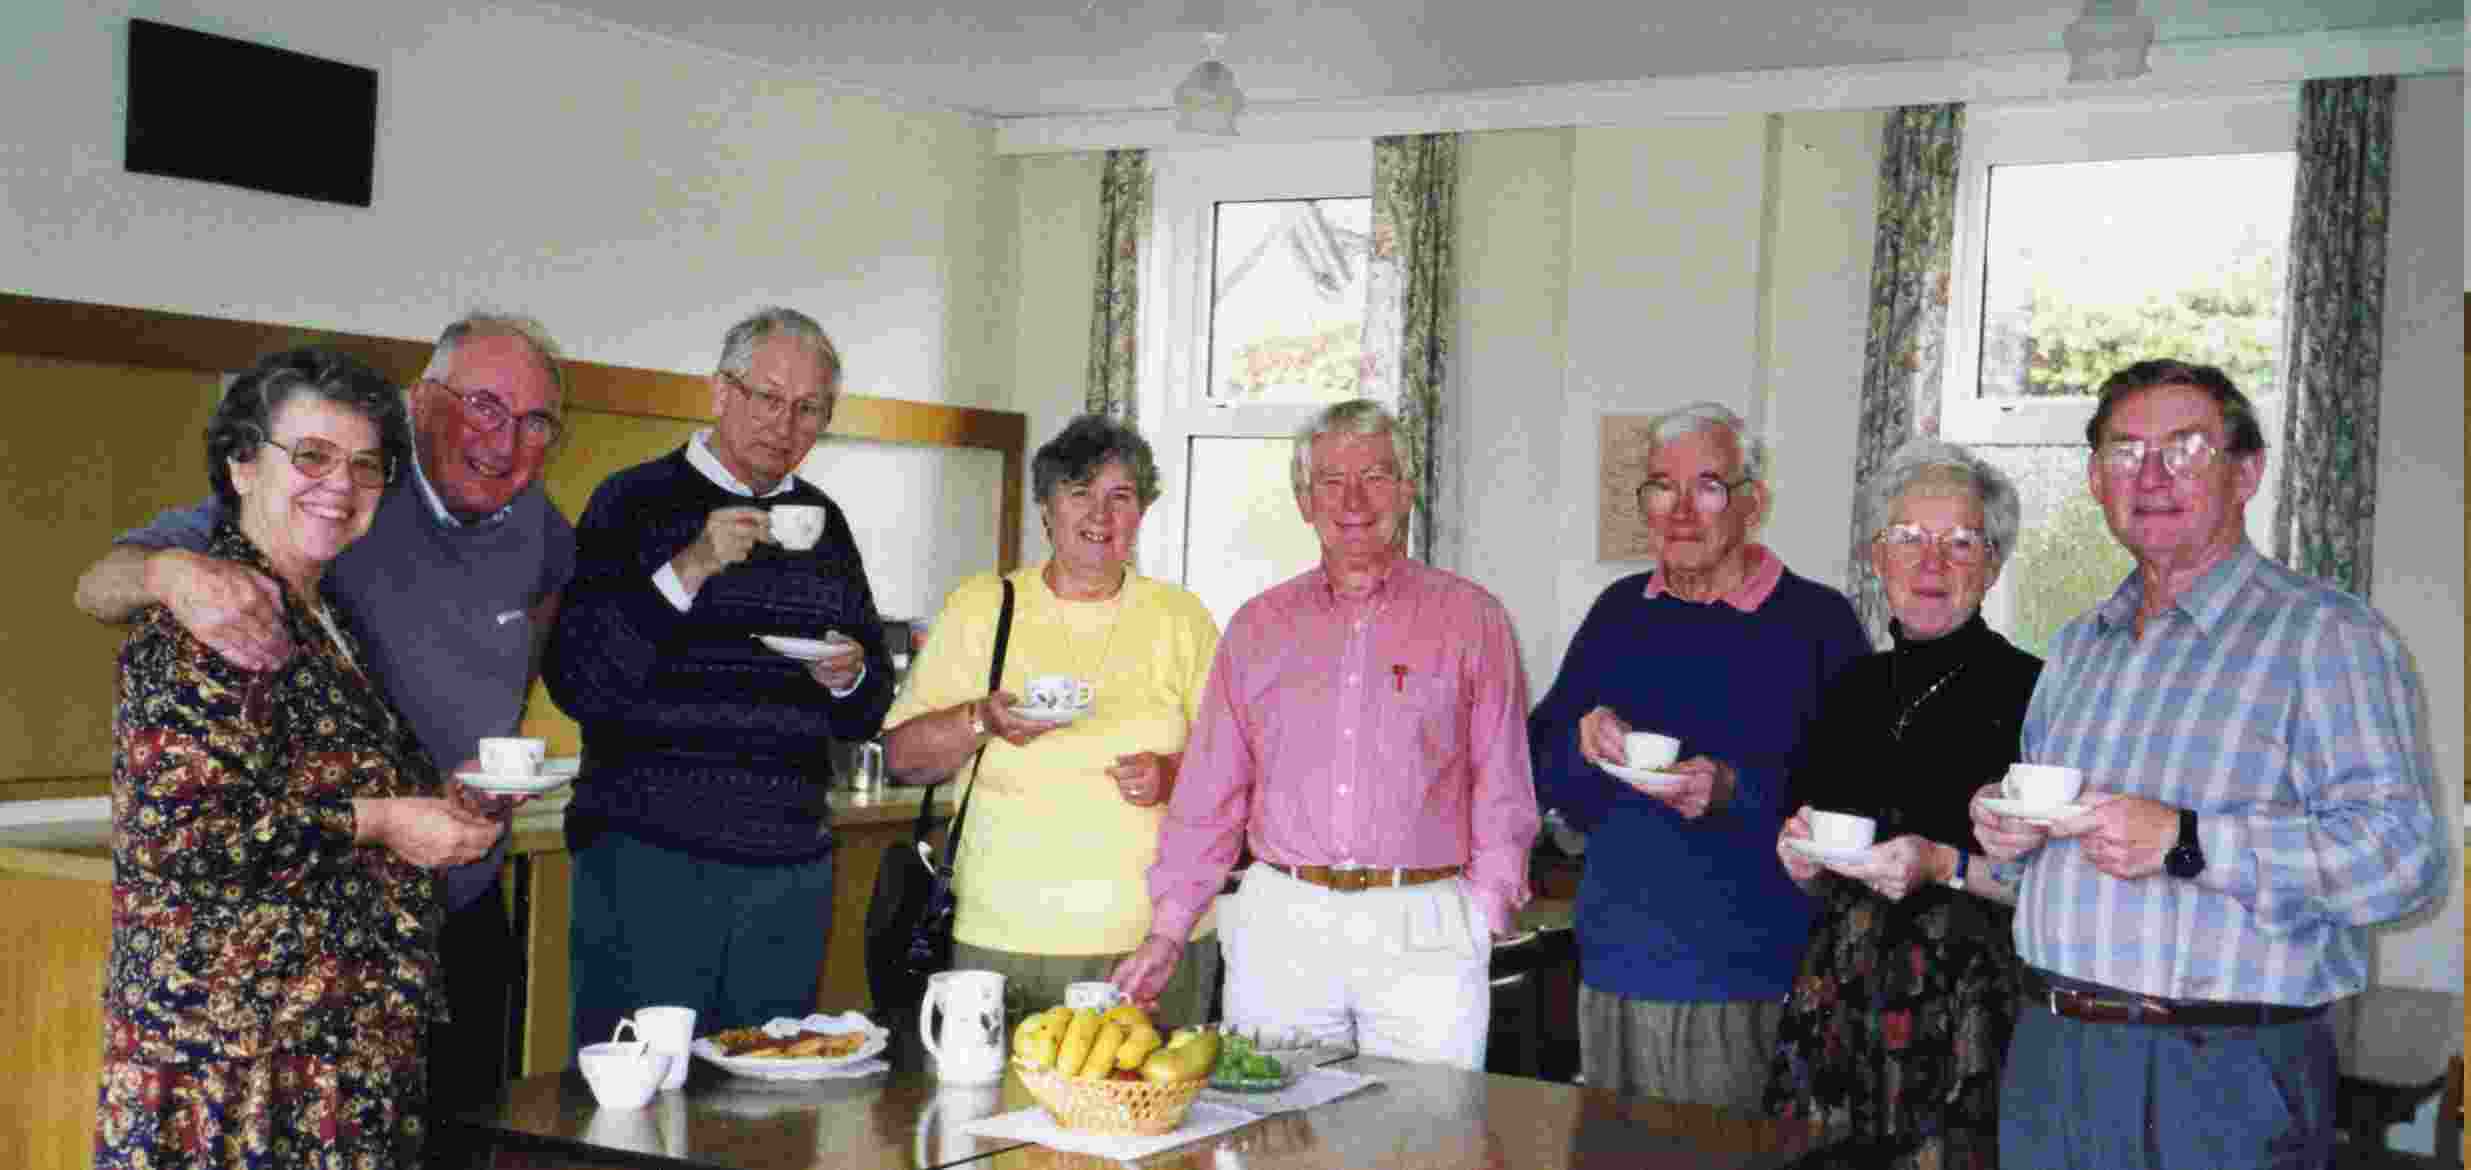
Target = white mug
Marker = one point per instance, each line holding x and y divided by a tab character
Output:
797	526
1057	692
2042	785
668	1030
954	1106
1650	751
623	1073
1097	996
512	755
1841	832
968	1048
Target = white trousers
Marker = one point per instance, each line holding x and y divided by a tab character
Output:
1402	973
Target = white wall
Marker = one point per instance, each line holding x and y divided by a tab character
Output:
2418	581
635	194
1055	253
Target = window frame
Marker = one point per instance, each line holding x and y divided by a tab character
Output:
1172	376
2248	121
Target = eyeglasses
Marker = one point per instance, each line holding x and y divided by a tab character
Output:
810	412
1961	546
317	457
487	412
1708	493
2182	454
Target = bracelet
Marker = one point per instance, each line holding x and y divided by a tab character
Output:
1956	880
978	723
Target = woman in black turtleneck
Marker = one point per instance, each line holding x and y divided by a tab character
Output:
1900	1014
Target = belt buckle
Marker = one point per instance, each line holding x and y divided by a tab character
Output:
1352	877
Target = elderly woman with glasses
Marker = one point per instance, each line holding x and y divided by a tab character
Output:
273	966
1049	885
1900	1014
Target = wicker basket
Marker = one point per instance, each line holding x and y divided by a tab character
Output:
1137	1108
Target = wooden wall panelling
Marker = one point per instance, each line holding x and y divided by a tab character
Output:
56	932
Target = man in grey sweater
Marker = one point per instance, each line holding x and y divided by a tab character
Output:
453	591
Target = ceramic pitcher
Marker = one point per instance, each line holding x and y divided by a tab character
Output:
968	1046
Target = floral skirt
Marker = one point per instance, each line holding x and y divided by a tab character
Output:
1898	1021
274	1113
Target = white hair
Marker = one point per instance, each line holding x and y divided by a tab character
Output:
1708	416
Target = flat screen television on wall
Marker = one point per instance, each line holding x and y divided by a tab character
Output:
220	110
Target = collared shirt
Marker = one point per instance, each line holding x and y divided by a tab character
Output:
1763	569
2284	713
1388	731
700	457
437	504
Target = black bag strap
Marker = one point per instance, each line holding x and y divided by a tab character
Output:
926	800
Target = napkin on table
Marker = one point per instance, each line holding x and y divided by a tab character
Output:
1034	1125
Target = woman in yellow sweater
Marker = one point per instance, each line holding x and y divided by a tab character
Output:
1050	884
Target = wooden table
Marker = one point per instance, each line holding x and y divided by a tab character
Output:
1423	1117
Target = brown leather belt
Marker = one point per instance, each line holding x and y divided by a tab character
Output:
1348	879
2111	1006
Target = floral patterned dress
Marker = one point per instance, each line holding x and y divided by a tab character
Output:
270	982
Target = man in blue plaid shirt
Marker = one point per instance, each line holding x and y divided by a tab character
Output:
2256	797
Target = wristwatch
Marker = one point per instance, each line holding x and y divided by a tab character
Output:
1956	876
978	722
2187	858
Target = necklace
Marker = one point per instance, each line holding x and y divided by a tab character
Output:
1897	732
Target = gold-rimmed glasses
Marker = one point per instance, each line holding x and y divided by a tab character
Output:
487	412
1708	493
316	458
2182	454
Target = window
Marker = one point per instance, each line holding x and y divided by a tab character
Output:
1253	304
2090	236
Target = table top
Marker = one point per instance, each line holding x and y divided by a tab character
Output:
1423	1116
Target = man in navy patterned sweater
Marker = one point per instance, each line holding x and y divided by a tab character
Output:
703	865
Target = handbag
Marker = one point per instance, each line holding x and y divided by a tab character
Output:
909	914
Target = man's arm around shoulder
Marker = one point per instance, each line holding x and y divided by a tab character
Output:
233	609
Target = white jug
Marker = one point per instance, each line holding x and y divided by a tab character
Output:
969	1048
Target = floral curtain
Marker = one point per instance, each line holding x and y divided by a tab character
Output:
1412	292
2333	331
1911	263
1115	309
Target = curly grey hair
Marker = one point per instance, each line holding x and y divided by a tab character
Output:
1938	466
1087	444
1708	416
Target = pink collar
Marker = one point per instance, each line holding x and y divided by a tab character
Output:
1765	570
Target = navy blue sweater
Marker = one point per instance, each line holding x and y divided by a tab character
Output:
695	736
1673	910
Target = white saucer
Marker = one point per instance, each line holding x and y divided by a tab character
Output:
545	780
1055	715
2042	813
1817	852
1644	779
566	766
807	649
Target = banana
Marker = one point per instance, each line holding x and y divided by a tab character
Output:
1129	1015
1025	1040
1138	1045
1075	1049
1101	1059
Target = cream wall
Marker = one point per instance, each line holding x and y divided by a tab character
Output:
636	194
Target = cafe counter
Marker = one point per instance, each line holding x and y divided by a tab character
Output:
55	923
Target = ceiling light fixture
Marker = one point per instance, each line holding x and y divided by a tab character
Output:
1208	101
2108	42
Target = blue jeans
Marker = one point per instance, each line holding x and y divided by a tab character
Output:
738	943
2088	1096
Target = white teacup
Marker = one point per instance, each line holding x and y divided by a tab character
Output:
1841	832
512	755
1650	751
797	526
2042	785
669	1030
1096	996
623	1073
1057	692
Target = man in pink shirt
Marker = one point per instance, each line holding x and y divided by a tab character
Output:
1364	732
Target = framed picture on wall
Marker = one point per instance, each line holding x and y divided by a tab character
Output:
1622	533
